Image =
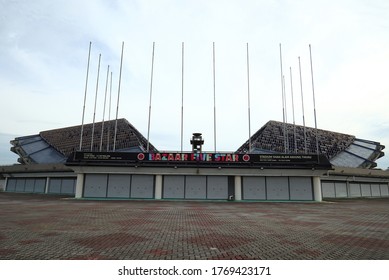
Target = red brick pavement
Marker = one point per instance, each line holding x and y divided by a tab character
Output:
52	227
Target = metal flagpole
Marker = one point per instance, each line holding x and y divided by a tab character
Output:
248	95
314	103
294	122
286	117
302	103
117	105
283	100
109	113
86	89
286	111
214	98
151	91
105	101
182	95
94	112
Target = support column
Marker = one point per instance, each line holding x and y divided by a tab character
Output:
79	185
47	185
158	187
6	183
238	188
317	195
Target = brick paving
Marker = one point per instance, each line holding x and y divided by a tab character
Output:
53	227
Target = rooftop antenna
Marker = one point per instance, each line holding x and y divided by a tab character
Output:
86	89
94	111
283	100
294	122
314	103
248	95
117	105
302	104
151	92
109	112
214	98
182	95
105	102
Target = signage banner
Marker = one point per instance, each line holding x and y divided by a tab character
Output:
199	158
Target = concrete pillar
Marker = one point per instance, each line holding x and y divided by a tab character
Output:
317	195
47	185
5	184
238	188
79	185
158	187
348	188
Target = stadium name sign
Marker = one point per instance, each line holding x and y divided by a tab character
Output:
217	157
224	157
198	159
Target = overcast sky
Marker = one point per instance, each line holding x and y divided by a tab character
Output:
44	49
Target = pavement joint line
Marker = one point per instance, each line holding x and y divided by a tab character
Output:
52	227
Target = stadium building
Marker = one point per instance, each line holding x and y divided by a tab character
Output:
280	162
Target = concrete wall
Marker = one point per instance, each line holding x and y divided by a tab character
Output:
196	187
277	188
339	189
56	185
118	186
143	186
196	183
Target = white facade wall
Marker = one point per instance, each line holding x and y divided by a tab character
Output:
196	183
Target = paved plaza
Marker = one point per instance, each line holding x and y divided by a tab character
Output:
54	227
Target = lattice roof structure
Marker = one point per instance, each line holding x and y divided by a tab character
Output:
55	146
341	149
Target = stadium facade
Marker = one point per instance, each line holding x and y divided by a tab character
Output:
280	162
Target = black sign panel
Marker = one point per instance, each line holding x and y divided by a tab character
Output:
198	159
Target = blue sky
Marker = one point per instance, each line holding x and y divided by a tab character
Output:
44	47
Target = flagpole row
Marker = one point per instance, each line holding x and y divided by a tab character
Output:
214	97
182	96
118	101
302	104
94	111
86	90
151	92
314	103
248	94
105	101
109	112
